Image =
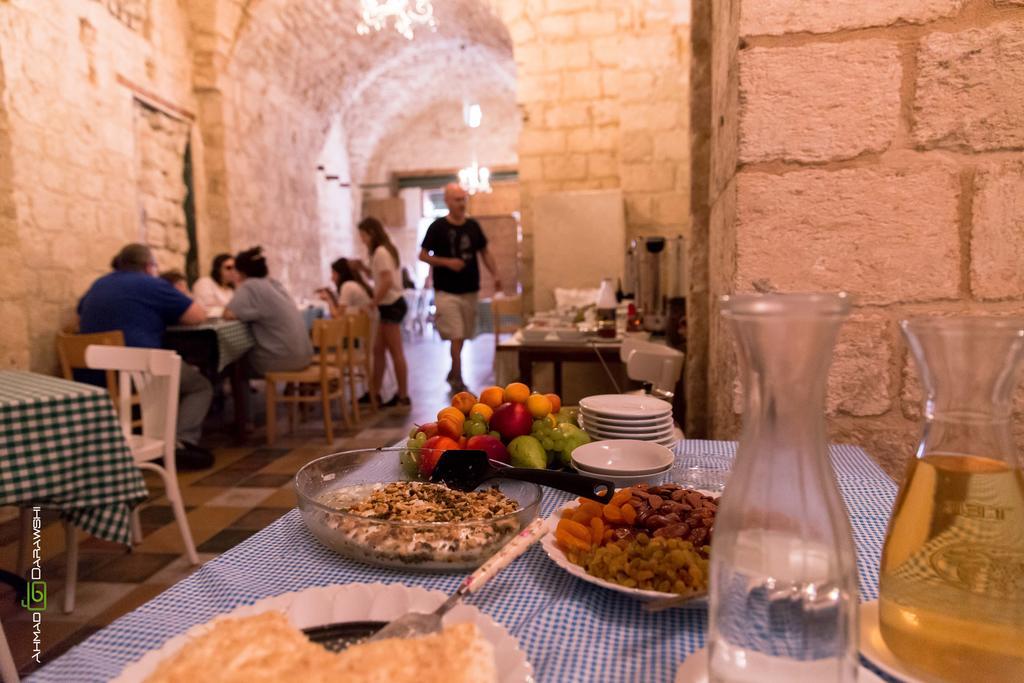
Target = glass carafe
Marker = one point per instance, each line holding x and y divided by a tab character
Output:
951	588
783	569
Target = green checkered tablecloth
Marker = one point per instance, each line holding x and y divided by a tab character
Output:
233	338
61	446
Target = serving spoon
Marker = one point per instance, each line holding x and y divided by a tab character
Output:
466	470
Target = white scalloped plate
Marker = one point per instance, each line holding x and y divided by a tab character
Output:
559	558
356	602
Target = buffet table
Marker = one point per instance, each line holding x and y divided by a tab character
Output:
570	630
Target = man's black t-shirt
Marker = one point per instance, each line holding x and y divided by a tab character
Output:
456	241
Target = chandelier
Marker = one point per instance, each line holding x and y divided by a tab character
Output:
405	14
475	179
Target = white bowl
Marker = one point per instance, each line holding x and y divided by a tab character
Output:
622	481
624	457
531	333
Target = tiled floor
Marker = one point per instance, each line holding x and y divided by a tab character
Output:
248	488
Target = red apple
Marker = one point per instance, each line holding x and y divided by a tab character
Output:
511	420
494	448
431	453
430	429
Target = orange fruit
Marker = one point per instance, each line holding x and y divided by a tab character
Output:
492	397
538	405
483	410
463	401
517	392
448	427
454	414
556	402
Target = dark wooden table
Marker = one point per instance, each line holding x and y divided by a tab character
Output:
217	349
556	353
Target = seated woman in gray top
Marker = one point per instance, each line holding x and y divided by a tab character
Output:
282	341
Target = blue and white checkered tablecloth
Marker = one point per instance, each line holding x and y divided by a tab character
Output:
570	630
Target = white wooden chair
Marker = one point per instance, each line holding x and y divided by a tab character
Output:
156	375
8	672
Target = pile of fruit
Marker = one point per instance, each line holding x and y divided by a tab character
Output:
511	424
653	538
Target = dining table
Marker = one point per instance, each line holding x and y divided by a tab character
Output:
570	630
556	351
214	347
61	446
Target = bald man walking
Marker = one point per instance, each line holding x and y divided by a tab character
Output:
451	246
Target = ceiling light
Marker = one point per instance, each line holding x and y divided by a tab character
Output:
405	15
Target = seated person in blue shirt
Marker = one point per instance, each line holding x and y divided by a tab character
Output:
140	304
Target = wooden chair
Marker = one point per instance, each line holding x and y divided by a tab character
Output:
357	358
326	374
507	316
155	375
71	352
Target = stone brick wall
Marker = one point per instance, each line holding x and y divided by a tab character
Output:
160	142
71	72
875	148
602	87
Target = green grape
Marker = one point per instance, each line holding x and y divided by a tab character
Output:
412	432
547	444
496	435
559	441
477	428
412	443
421	438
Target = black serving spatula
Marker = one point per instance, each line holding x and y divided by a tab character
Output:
465	470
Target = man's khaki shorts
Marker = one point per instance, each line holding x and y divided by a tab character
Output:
455	316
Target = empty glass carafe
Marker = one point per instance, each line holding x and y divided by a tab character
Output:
952	578
783	572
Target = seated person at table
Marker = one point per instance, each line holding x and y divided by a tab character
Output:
351	294
215	291
177	280
140	304
282	340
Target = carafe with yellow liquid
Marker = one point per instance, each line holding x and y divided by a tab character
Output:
951	587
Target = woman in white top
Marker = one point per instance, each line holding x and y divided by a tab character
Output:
215	291
387	296
351	293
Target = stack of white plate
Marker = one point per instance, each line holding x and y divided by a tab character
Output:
628	416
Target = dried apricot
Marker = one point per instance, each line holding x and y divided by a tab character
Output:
612	513
570	542
621	497
575	528
581	516
628	514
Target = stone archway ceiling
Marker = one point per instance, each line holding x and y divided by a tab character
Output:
402	94
310	49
